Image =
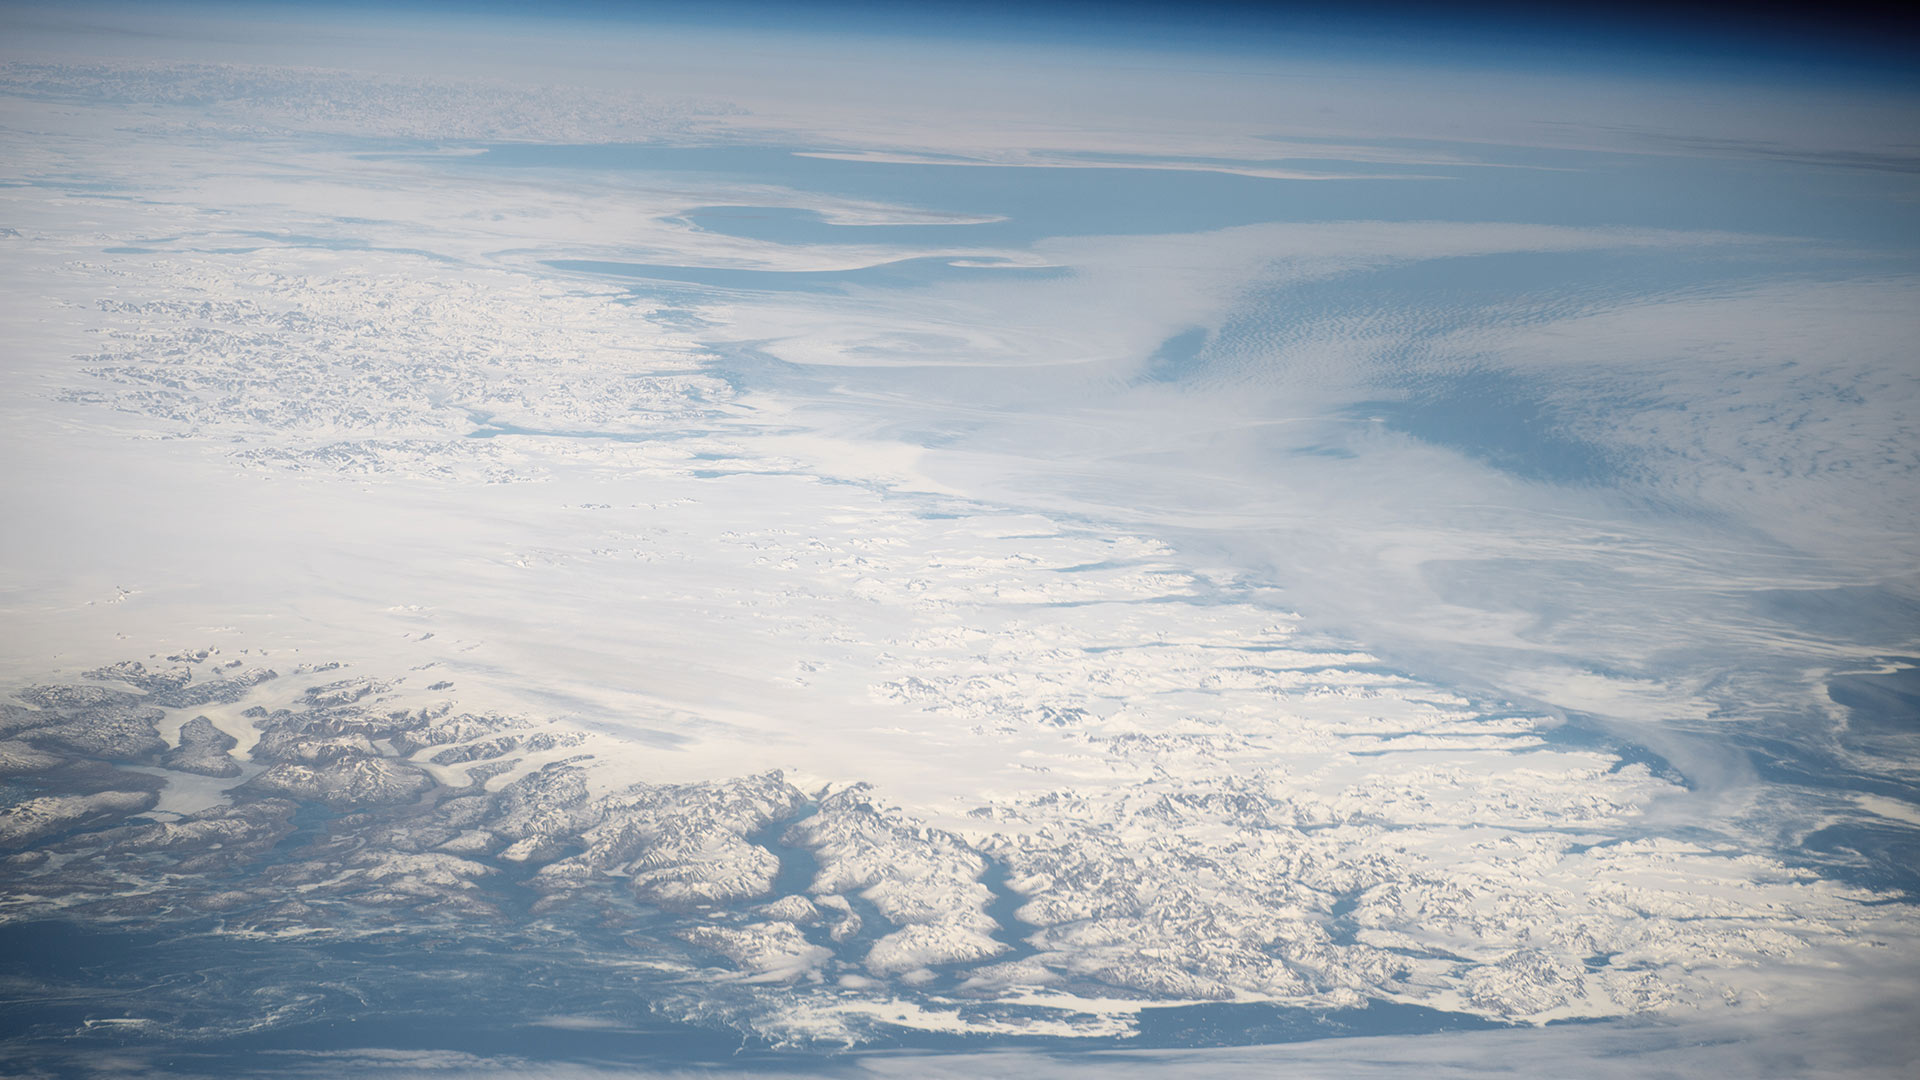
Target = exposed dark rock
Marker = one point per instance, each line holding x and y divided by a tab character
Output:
17	758
215	692
15	718
492	748
135	673
76	697
480	774
544	803
365	782
32	820
344	692
305	748
449	729
203	750
117	732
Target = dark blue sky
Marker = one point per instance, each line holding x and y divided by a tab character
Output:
1845	40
